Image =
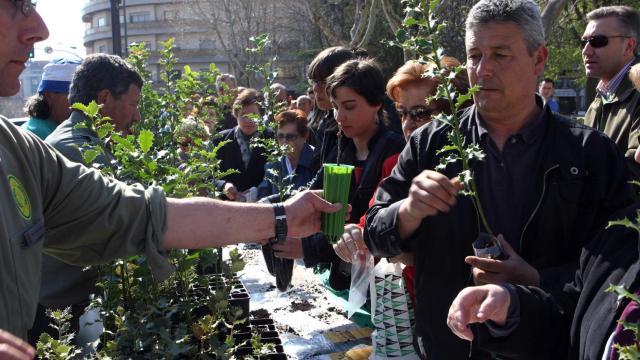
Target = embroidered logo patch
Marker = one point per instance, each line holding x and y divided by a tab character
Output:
20	196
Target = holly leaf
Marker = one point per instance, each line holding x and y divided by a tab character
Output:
145	139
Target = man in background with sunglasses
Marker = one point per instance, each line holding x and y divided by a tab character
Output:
609	49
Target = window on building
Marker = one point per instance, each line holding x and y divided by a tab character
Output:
170	15
140	17
207	44
102	48
102	22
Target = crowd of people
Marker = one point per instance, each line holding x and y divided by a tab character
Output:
548	184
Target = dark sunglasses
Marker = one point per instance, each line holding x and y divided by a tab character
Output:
288	137
598	41
417	113
25	7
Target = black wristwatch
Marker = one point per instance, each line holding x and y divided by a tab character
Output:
281	222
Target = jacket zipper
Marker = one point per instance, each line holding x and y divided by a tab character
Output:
544	189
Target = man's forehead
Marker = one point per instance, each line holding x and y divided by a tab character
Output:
502	35
603	26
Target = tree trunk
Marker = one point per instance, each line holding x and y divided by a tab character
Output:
550	15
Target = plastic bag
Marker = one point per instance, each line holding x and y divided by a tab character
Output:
361	270
391	314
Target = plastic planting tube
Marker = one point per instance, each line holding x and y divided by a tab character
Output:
337	182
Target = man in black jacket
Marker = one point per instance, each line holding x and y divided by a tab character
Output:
547	184
530	323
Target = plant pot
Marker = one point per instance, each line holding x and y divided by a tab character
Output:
487	246
241	301
336	185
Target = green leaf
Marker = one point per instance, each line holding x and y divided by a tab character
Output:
89	155
145	139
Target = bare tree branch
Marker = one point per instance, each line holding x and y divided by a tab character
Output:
370	25
550	15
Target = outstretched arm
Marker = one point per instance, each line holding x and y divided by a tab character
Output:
200	222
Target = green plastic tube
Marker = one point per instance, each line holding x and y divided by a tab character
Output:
337	182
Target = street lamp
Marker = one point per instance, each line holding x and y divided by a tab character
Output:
50	50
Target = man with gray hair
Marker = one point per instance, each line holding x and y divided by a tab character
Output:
609	50
547	184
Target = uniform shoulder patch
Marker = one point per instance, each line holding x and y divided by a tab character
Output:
21	197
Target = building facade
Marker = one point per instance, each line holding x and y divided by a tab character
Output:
197	44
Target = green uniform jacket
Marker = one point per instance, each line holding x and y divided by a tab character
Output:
619	118
53	205
40	127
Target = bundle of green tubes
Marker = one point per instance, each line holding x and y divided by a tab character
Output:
336	185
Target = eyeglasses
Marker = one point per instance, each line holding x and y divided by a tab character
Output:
288	137
24	6
418	113
598	41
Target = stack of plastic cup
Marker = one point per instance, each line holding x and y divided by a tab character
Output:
337	182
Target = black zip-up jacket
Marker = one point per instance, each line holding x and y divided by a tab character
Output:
580	180
316	248
231	158
576	323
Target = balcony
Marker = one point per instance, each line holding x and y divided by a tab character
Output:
133	29
92	6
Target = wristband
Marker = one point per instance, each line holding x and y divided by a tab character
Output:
281	222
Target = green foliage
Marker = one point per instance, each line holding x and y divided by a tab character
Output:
172	147
61	348
271	149
419	35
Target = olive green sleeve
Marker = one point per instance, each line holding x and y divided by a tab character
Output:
92	219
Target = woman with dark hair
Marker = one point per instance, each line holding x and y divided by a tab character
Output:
356	90
237	154
323	123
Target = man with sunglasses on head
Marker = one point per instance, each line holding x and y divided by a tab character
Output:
547	184
609	49
44	197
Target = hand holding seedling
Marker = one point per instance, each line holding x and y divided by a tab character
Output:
430	193
512	270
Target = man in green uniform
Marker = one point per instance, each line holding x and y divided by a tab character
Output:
610	44
45	198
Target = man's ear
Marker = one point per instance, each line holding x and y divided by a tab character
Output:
630	48
103	96
541	55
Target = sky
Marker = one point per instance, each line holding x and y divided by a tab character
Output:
65	28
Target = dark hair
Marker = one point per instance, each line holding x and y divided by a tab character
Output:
37	106
547	80
627	16
323	65
362	76
102	72
245	98
296	117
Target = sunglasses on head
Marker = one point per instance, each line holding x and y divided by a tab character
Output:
598	41
287	137
417	113
24	6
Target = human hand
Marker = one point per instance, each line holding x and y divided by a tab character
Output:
304	212
512	270
430	193
291	248
478	304
350	242
230	191
14	348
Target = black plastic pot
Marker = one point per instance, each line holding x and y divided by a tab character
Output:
487	246
282	269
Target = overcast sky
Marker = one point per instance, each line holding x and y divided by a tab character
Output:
65	28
